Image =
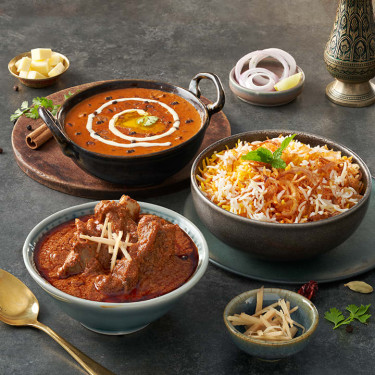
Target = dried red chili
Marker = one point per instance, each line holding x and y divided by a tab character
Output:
309	289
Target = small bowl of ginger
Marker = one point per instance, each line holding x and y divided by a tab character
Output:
41	67
271	323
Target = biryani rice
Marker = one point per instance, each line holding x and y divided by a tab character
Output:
317	183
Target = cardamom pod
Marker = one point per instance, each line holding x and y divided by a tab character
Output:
359	286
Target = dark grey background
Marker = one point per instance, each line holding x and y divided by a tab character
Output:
172	41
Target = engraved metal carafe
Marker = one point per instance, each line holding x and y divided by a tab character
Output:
350	54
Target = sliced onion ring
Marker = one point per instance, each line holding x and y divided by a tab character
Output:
283	57
260	79
241	62
249	76
259	57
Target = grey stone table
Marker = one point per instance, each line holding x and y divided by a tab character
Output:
171	41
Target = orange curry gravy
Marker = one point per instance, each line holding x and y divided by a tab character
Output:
130	124
163	256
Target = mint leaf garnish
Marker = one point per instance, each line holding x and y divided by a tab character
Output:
264	155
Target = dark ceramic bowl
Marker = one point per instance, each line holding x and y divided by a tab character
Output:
136	170
276	241
307	315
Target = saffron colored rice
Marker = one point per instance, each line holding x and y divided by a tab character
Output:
317	183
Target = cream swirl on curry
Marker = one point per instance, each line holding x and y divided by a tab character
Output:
132	120
112	125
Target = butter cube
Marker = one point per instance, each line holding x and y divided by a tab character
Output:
35	75
41	53
23	74
59	68
54	59
41	66
23	64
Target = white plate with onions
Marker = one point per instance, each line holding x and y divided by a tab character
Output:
267	77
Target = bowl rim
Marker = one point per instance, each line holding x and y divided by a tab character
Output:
300	84
204	121
28	54
28	252
290	226
280	292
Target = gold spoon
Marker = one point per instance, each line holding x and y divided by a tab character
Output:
19	307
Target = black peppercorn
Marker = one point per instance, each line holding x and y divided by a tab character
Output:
15	88
29	127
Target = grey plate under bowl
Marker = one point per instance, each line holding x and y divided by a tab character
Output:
355	256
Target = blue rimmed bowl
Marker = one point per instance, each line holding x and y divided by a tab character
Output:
106	317
307	315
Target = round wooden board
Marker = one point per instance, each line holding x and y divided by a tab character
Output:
50	167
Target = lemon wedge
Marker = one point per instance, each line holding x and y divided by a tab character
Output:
288	83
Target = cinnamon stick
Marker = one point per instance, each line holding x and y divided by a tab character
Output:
38	137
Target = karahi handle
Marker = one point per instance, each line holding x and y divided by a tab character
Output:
220	100
55	127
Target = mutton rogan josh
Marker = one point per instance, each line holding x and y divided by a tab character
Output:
117	254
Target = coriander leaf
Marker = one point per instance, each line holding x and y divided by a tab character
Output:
363	318
33	113
147	120
16	115
68	95
141	120
278	164
352	309
44	102
363	309
335	316
37	101
54	109
284	144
